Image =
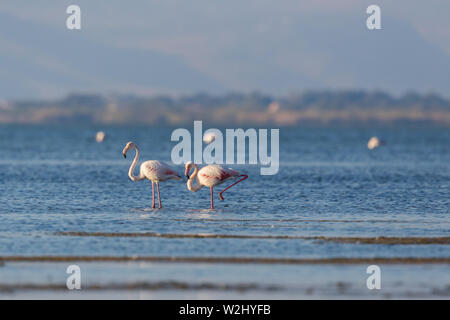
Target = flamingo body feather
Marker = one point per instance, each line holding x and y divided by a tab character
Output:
157	171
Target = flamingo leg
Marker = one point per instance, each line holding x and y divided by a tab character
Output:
244	176
159	196
153	195
212	201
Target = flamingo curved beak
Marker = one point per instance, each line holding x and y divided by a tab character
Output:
124	155
187	176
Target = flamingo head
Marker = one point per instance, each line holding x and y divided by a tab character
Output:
130	145
188	167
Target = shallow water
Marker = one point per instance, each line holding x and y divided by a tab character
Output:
142	280
58	179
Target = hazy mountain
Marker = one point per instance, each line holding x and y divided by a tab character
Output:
40	61
330	52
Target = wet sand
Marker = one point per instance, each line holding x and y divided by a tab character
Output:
358	240
228	260
186	280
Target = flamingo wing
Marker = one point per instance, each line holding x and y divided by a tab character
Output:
158	171
213	175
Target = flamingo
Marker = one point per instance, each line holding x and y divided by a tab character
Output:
211	176
153	170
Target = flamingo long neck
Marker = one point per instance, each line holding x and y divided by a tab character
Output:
190	183
133	165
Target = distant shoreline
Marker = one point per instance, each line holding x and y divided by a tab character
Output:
255	109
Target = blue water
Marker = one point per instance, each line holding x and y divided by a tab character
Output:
56	179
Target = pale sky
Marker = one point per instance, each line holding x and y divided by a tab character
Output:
275	47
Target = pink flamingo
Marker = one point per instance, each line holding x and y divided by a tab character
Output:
211	176
153	170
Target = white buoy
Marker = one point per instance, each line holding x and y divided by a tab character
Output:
373	143
273	107
100	136
209	137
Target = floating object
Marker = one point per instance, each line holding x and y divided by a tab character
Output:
153	170
373	143
273	107
211	176
100	136
209	137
